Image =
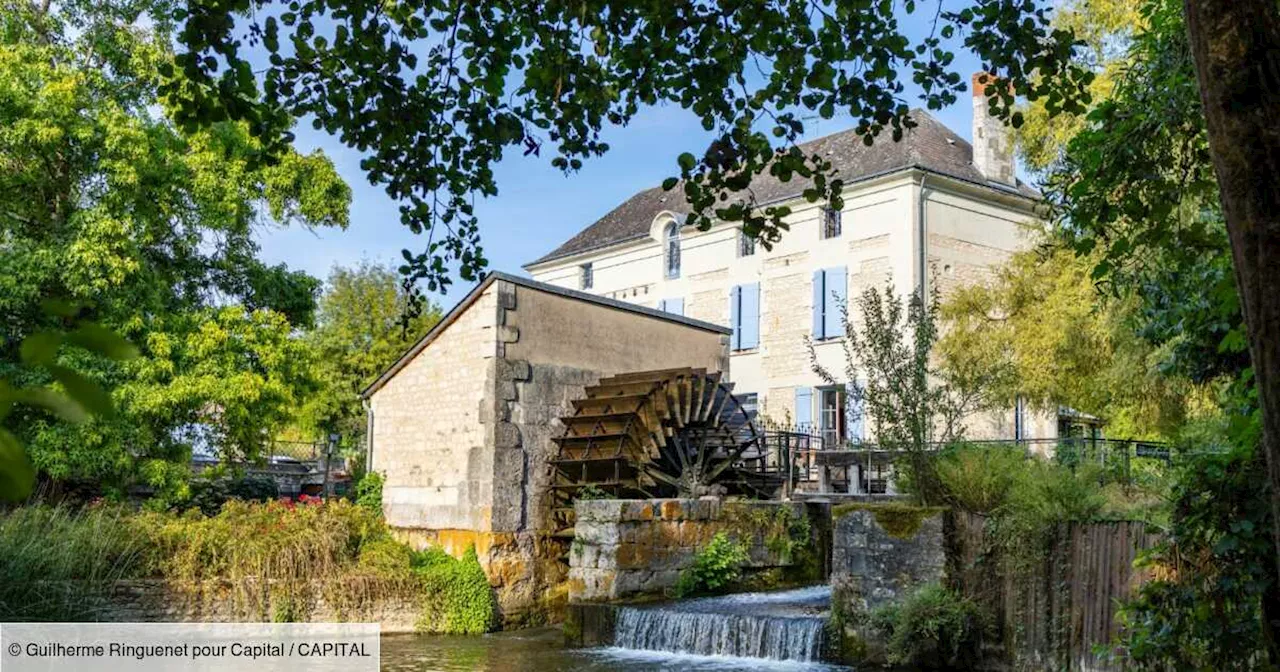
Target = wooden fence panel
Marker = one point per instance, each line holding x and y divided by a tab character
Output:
1053	614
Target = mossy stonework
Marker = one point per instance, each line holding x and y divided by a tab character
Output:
638	548
900	521
880	552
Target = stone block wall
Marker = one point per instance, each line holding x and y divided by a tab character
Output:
881	551
429	441
158	601
637	548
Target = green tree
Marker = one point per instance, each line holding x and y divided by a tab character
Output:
1141	189
504	74
1041	331
106	203
913	407
483	79
1105	27
358	334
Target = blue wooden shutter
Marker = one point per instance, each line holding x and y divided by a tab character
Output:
735	300
749	315
804	407
836	292
819	280
855	423
675	306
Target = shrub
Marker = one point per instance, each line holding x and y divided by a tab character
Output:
457	597
932	628
368	492
57	563
715	568
1214	573
210	494
978	477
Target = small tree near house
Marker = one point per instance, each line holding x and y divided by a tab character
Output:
909	405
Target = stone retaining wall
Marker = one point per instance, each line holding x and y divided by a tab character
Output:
637	548
881	551
158	601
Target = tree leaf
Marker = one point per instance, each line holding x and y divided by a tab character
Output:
82	390
40	348
101	340
57	403
17	475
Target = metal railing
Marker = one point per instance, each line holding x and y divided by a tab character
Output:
802	449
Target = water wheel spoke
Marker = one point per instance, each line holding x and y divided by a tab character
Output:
664	433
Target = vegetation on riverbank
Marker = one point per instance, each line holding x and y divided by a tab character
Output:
716	568
272	561
932	628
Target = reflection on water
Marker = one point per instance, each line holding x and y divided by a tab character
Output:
541	650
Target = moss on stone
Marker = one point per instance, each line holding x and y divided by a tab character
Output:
900	521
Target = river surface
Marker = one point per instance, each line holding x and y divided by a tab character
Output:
541	650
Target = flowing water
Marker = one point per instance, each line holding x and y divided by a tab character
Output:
786	625
751	631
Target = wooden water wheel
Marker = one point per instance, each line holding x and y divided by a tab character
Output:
672	433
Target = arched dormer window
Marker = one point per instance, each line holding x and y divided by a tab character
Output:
671	249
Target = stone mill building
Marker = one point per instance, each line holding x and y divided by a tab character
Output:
462	424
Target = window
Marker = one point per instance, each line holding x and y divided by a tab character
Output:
744	316
672	250
673	306
1019	419
746	244
804	409
750	404
586	278
831	416
830	223
829	294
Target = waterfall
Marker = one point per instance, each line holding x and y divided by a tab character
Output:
787	625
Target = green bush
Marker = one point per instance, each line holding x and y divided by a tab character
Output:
1214	572
57	563
368	492
209	494
715	568
979	478
456	593
932	628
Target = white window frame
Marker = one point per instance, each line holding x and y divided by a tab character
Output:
832	223
671	250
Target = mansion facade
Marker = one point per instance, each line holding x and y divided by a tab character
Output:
930	211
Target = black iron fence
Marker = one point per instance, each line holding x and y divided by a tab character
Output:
805	452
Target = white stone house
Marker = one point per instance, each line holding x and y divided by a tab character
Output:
928	209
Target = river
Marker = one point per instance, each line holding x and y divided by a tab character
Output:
540	650
746	631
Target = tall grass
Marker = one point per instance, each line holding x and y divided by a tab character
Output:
53	560
273	560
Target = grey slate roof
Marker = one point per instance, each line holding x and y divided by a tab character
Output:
929	146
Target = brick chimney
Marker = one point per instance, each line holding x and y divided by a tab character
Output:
992	141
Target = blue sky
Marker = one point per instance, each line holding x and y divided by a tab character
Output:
537	206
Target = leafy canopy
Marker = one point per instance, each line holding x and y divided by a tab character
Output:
1040	330
107	205
479	79
357	336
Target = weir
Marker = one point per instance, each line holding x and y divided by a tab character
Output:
787	625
